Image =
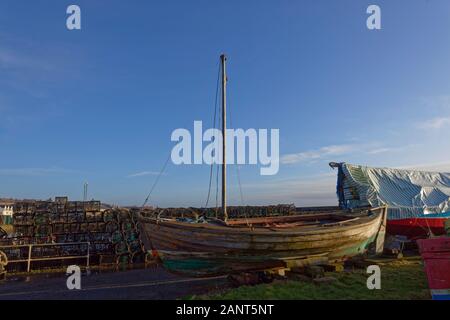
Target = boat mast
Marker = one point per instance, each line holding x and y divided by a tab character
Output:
223	59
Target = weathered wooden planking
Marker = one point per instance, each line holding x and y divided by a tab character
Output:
268	250
260	242
227	234
171	233
230	230
285	219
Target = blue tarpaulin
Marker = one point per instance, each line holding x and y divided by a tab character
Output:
407	193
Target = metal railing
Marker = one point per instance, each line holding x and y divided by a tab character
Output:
59	249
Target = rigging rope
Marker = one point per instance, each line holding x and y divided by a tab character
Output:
240	186
239	179
217	191
237	167
212	164
217	174
157	179
214	126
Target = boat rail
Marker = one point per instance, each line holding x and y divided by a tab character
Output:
24	252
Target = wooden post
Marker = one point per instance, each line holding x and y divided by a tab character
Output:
88	254
29	258
223	59
381	235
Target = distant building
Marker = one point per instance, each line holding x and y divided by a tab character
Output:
6	213
62	200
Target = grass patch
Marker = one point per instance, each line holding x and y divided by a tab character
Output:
401	279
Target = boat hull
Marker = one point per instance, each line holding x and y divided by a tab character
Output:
436	256
200	249
419	227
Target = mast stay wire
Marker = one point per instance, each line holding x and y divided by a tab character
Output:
214	126
168	158
238	175
212	164
157	179
237	165
217	172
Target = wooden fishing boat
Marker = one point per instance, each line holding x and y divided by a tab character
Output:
235	245
262	243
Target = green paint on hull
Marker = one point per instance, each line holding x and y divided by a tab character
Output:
355	250
204	265
189	264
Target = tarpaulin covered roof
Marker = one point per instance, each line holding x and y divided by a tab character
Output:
407	193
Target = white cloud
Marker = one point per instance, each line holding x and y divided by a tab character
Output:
439	102
435	167
379	150
32	171
333	150
435	123
143	173
317	190
7	59
369	148
14	60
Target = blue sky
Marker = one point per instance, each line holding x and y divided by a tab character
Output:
99	104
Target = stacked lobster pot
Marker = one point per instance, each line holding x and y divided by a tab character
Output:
260	211
112	234
234	212
123	226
